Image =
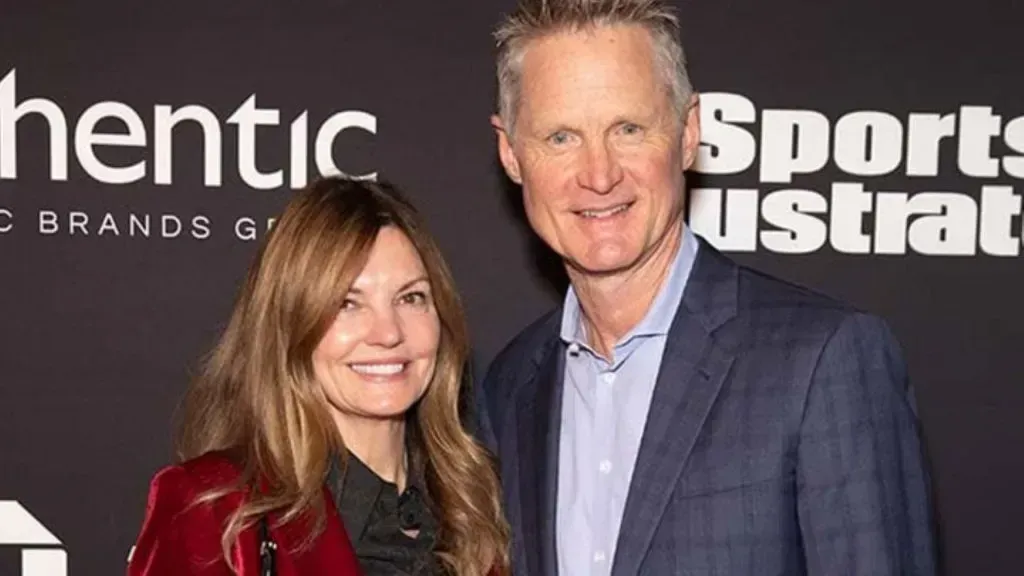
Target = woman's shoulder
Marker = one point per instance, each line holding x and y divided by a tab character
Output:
179	523
187	479
211	469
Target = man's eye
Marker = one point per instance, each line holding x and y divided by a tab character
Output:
559	138
631	129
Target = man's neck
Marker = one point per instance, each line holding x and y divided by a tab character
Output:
612	305
380	444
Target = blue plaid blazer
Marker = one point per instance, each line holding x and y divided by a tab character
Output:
782	439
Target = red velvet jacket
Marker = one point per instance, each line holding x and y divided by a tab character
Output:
179	539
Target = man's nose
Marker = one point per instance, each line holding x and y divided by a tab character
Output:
601	170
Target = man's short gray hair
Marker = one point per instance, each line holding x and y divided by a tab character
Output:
534	19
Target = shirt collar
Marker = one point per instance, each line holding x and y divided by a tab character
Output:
358	491
659	316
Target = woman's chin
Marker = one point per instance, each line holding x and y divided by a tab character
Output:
391	410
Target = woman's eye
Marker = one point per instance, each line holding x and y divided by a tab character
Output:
416	298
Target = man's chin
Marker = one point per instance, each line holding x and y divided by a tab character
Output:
602	266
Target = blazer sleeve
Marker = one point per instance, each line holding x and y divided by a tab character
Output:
863	488
178	538
482	428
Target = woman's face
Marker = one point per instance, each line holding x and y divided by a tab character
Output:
378	356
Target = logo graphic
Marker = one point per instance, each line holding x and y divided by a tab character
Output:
85	135
762	168
122	144
42	553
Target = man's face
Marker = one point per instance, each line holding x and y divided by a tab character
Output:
598	147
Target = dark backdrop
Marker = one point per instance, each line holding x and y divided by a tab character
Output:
823	164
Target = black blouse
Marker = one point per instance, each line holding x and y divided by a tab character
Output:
374	514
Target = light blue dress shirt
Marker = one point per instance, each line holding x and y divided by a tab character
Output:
604	410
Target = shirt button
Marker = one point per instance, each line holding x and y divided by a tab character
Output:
605	466
599	556
608	377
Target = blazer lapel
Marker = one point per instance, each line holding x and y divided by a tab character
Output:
692	371
538	414
330	553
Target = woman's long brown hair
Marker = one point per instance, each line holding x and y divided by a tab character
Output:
256	398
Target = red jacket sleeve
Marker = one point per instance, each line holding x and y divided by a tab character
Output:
178	537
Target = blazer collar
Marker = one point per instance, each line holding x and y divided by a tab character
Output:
693	369
330	553
538	424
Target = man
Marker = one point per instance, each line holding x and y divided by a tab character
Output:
678	414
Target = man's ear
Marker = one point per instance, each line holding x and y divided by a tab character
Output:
691	132
505	152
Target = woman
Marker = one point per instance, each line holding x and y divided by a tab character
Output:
324	436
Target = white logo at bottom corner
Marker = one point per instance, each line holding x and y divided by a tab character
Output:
42	553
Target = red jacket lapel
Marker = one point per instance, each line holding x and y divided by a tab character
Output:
331	553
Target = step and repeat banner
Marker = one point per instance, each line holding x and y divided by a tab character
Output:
872	150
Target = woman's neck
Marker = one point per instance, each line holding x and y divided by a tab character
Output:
380	444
